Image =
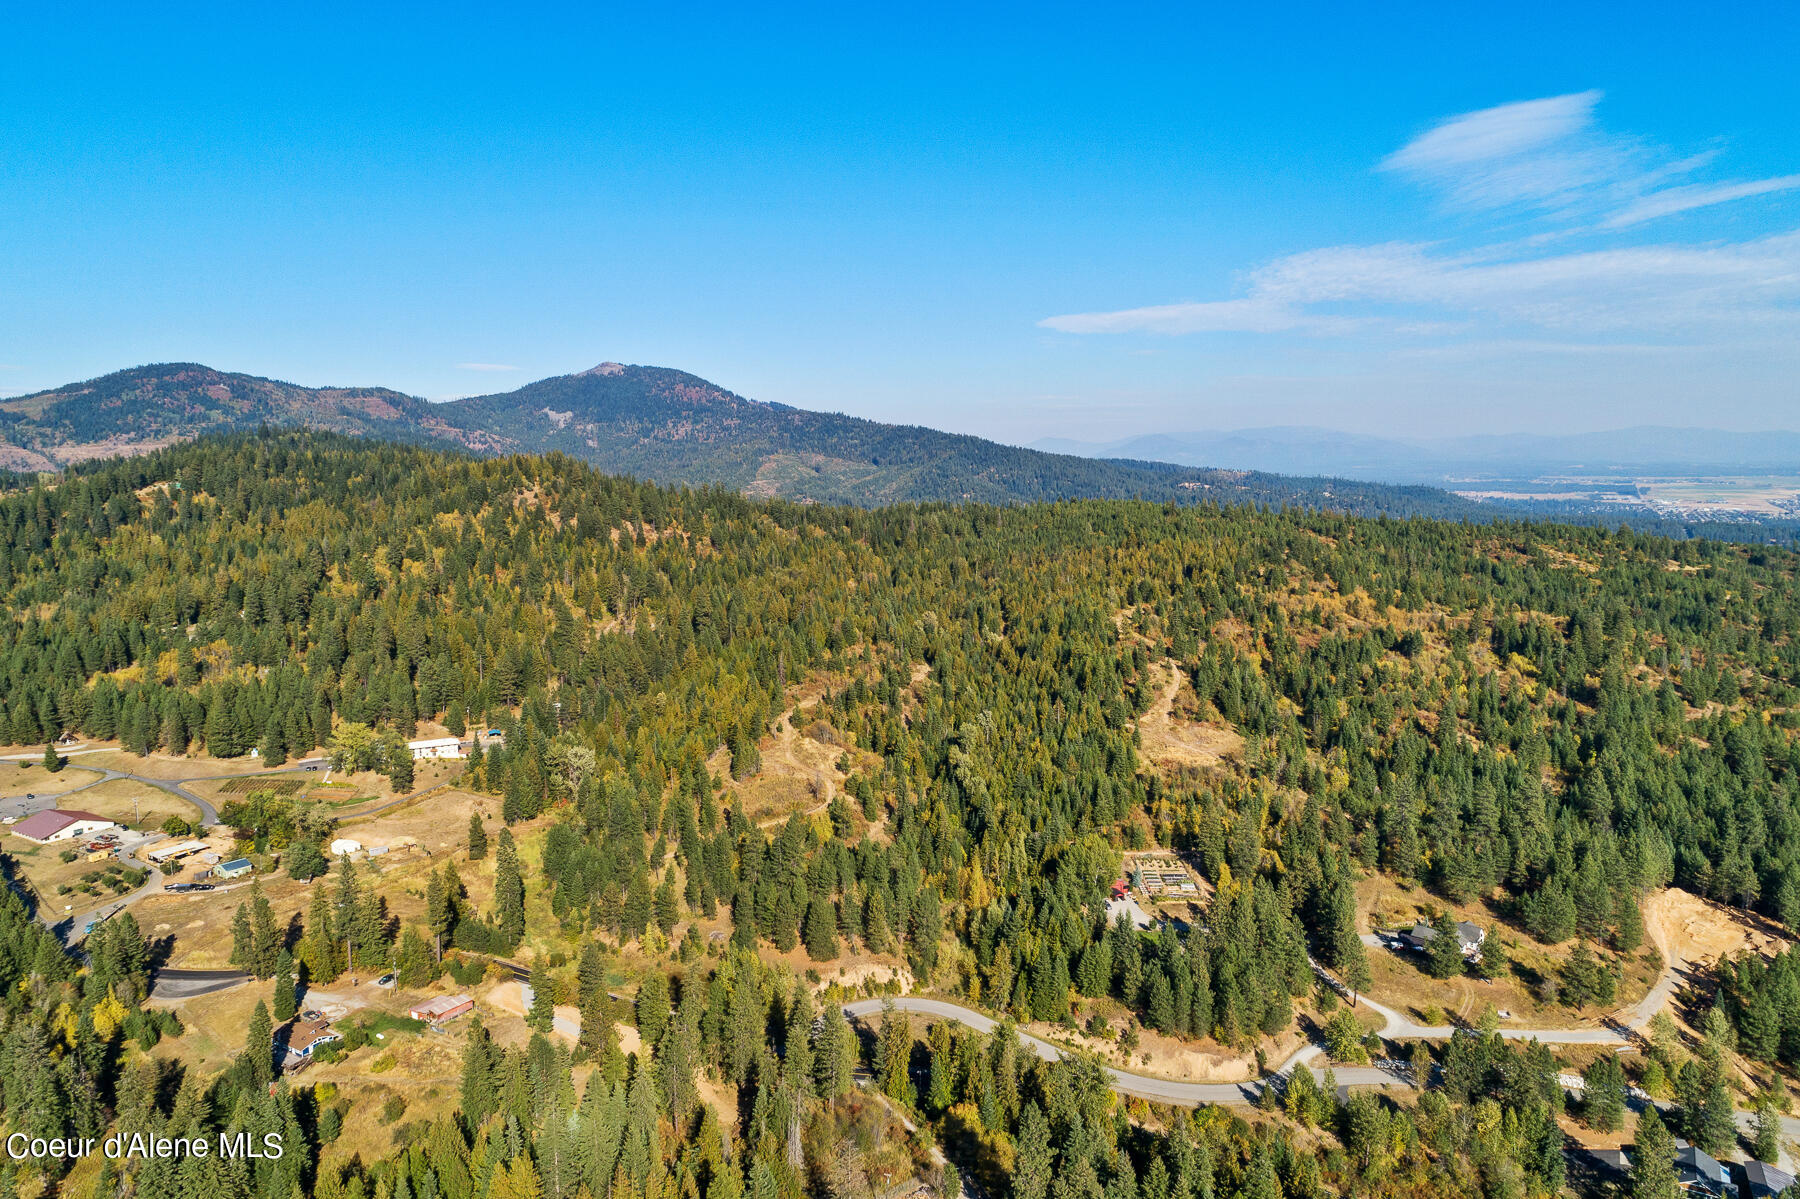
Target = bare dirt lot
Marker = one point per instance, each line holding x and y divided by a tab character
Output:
799	771
1170	736
1691	929
507	997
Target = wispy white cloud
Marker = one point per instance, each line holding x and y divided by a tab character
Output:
1410	288
1542	153
1254	315
485	366
1553	155
1671	200
1548	157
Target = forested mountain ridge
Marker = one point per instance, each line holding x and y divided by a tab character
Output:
1550	720
652	423
1344	650
673	427
132	410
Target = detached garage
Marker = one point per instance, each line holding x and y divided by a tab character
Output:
441	1009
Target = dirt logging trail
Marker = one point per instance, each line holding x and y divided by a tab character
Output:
1169	739
792	754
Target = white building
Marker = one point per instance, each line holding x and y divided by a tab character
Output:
55	824
435	747
345	845
169	853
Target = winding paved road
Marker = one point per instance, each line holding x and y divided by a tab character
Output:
1161	1090
209	815
185	984
1397	1027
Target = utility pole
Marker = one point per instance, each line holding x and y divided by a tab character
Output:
350	960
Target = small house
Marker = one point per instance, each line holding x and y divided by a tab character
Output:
1469	937
307	1035
236	868
442	1009
1761	1180
1698	1174
344	845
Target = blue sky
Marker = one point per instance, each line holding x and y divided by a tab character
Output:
1021	222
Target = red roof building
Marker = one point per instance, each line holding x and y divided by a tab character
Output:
444	1007
55	824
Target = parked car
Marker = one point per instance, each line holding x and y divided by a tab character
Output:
386	980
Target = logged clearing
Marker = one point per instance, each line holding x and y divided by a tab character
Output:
1690	929
1169	736
851	972
799	771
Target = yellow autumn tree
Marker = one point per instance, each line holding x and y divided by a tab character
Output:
108	1014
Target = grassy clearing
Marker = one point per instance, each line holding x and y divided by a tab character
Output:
372	1021
1400	979
18	778
134	804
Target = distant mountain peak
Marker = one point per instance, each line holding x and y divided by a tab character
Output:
648	422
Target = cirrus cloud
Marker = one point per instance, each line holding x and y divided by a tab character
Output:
1549	157
1409	287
